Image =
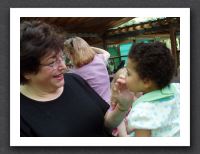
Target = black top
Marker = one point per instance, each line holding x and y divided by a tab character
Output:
79	111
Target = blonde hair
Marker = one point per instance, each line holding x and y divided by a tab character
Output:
80	51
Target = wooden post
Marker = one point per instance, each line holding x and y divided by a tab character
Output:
174	46
119	54
104	43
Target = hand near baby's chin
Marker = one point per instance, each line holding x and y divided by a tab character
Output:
124	96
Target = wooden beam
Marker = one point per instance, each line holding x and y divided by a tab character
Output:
148	25
173	46
119	35
118	50
104	44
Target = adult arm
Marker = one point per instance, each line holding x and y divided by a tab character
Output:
125	99
122	131
114	118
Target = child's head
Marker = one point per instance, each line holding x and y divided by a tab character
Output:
150	66
79	51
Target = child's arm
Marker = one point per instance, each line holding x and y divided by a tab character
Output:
101	51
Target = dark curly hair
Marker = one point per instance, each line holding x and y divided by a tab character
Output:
154	62
37	40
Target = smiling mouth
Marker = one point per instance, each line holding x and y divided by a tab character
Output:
59	76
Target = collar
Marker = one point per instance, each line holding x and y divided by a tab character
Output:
165	92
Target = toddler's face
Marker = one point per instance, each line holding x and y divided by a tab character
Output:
133	81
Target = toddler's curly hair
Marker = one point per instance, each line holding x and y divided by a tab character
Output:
154	61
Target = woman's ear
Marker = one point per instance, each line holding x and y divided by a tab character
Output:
27	76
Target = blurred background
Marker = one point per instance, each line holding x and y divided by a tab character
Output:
118	34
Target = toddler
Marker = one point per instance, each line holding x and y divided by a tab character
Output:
150	69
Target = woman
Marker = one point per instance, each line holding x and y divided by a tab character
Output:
54	104
90	63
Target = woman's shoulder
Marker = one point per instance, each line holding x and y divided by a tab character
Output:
73	77
75	81
100	57
75	84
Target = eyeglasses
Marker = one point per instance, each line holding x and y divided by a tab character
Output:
57	62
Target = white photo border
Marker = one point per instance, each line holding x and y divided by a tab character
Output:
16	13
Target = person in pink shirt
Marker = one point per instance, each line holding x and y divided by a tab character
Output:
89	63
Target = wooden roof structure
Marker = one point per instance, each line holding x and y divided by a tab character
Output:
160	26
100	31
97	30
91	29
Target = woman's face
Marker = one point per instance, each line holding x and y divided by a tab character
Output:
133	81
50	75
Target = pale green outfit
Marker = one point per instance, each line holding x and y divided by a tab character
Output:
157	111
